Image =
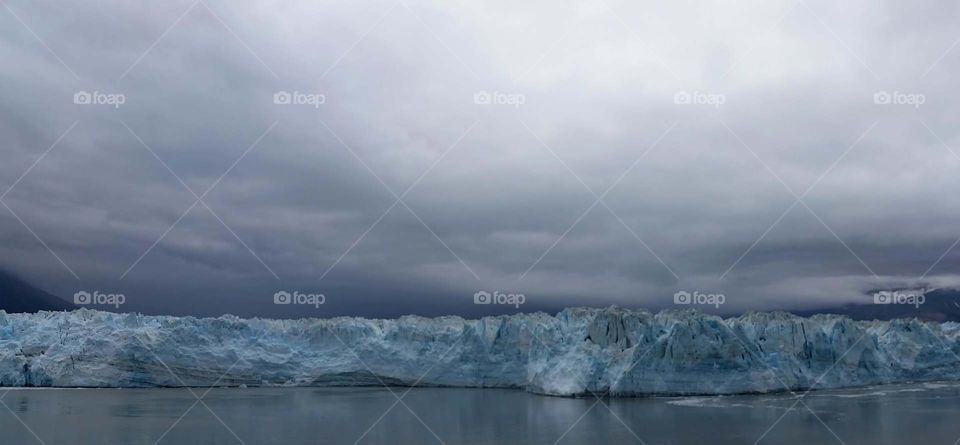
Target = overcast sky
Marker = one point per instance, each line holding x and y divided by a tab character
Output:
628	151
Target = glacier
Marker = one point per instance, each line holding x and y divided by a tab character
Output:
579	351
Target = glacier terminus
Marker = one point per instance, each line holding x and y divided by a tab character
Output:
579	351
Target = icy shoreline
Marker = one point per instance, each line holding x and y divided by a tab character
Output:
578	351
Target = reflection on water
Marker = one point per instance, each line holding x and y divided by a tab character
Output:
922	413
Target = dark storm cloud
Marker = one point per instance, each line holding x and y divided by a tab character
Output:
504	196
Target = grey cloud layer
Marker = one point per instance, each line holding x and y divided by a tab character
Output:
599	81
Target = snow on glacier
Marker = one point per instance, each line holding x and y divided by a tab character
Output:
578	351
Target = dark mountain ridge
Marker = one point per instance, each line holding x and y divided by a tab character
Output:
16	295
935	305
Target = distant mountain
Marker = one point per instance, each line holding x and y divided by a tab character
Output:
17	295
938	305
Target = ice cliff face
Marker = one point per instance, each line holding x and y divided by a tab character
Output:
578	351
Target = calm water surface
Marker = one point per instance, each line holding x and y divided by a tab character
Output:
910	414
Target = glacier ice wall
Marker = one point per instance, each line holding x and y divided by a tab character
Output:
578	351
